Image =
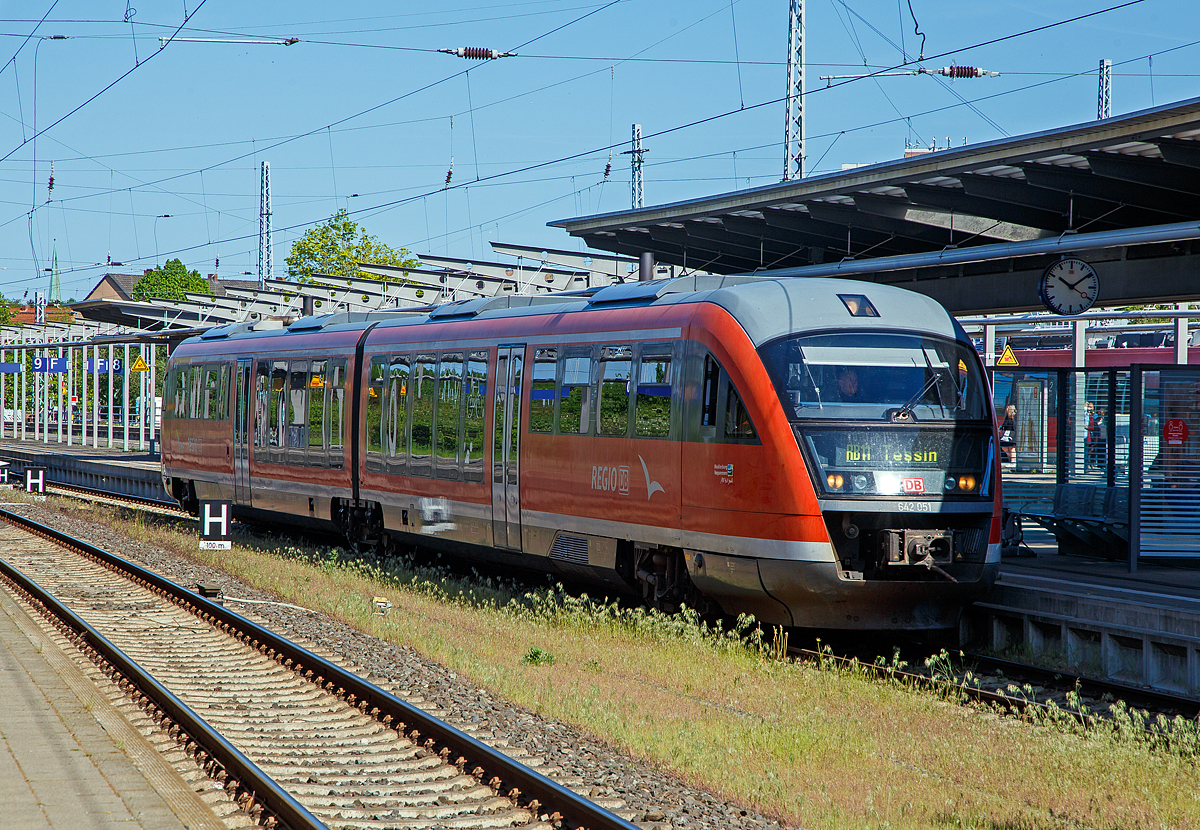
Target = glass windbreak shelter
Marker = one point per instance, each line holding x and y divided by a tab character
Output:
1165	455
1069	427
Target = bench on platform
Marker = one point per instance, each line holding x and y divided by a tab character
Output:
1086	520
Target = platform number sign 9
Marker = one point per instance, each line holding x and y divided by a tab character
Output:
216	518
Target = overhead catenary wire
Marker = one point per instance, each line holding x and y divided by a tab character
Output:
96	95
714	117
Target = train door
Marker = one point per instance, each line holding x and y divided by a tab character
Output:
506	439
242	404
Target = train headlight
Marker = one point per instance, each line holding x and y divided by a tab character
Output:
860	482
834	481
950	483
966	482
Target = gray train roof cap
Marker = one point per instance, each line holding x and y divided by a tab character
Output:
770	308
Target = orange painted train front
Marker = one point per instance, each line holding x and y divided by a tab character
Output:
816	453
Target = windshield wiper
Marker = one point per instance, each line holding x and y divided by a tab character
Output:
934	377
904	412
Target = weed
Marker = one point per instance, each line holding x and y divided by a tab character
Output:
538	657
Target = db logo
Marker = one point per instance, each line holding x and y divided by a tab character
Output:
914	485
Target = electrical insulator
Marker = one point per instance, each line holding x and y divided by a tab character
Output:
449	173
478	53
965	72
607	169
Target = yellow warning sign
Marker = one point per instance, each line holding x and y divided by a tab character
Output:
1007	358
139	365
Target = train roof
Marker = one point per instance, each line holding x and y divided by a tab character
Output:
766	308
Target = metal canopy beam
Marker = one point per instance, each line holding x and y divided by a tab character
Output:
751	246
852	217
1147	171
1179	151
977	228
692	250
957	199
1096	213
834	234
1070	180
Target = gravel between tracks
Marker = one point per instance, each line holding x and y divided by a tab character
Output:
656	798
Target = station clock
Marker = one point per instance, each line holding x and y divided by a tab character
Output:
1069	287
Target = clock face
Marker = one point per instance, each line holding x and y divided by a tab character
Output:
1069	286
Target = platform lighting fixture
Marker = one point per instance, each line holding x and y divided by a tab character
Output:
478	53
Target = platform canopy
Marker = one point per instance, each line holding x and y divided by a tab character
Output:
1137	171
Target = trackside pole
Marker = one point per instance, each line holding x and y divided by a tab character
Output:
95	397
125	406
109	396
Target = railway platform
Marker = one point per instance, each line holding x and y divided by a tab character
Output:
123	473
1141	628
68	759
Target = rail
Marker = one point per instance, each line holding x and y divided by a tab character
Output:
510	777
259	787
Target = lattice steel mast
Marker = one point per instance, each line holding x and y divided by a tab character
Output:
1104	104
265	260
635	160
793	131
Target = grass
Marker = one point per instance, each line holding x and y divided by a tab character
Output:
816	744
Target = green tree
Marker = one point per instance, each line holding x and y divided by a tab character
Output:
337	245
7	310
170	282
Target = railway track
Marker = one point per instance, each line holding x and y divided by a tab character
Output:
165	507
994	677
298	740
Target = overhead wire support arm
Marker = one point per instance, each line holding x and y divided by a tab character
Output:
945	72
162	41
478	53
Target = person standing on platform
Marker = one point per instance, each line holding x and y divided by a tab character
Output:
1007	442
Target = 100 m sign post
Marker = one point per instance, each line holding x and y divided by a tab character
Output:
216	519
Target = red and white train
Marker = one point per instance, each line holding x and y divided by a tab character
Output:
815	452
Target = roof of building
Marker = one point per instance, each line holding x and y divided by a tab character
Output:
1137	170
114	287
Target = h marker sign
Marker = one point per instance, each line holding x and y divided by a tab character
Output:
216	518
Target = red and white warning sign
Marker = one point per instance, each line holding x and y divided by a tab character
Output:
1175	432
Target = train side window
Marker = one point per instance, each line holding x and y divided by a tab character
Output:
652	407
195	390
422	390
449	413
541	395
709	390
210	405
297	414
226	390
335	386
262	409
612	400
279	371
170	394
395	439
473	416
575	401
738	425
375	383
316	414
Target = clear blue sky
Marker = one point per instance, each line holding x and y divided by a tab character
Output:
358	113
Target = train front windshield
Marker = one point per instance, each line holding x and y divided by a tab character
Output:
885	413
